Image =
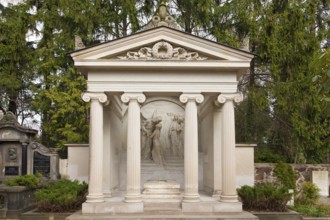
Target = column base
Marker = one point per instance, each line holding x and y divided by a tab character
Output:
191	198
95	198
133	198
216	194
225	199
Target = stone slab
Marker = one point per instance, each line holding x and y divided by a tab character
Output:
211	207
142	216
321	179
112	207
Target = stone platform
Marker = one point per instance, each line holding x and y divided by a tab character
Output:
163	216
162	208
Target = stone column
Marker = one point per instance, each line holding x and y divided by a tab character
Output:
95	191
133	182
191	146
228	193
24	159
217	143
106	154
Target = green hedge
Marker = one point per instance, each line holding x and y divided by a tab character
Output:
61	196
30	181
264	197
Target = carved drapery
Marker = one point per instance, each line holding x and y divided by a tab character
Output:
162	50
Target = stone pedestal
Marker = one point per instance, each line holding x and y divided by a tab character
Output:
161	189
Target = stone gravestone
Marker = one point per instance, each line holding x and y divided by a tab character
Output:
321	180
20	154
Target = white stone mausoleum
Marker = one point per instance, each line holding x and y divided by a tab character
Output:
162	128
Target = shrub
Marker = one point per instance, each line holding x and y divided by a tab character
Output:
268	156
309	194
313	210
61	196
264	197
29	181
285	175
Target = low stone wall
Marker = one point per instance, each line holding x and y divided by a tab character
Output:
15	200
264	172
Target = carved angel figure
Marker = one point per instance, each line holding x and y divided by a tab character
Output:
176	135
157	154
151	146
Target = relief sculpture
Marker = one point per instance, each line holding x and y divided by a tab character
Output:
151	147
162	132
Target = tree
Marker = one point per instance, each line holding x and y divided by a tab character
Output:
285	92
16	60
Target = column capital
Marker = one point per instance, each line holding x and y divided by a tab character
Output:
101	97
126	97
197	97
236	97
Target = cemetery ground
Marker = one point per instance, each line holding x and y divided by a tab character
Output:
39	198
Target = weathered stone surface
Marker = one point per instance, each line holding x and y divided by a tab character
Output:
264	172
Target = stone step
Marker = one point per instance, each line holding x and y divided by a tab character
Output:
162	205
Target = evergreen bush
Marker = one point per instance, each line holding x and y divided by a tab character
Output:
264	197
285	175
61	196
309	194
29	181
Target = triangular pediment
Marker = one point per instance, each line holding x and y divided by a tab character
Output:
162	44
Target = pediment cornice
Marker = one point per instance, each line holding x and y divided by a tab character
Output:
146	40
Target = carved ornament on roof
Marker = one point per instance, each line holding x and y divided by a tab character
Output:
162	51
162	19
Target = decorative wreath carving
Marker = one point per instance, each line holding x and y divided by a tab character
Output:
162	51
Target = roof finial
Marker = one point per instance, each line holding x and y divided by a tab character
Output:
162	18
162	11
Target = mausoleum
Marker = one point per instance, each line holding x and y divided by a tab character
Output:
162	128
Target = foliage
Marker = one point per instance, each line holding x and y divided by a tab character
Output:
287	103
264	197
309	194
313	210
30	181
285	175
268	156
61	196
16	60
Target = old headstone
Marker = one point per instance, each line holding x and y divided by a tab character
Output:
20	154
321	180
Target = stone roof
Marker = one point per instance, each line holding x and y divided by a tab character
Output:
10	120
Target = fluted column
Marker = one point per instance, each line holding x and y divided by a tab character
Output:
228	193
191	146
133	190
95	191
217	143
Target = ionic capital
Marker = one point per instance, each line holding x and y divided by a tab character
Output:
236	97
139	97
197	97
101	97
